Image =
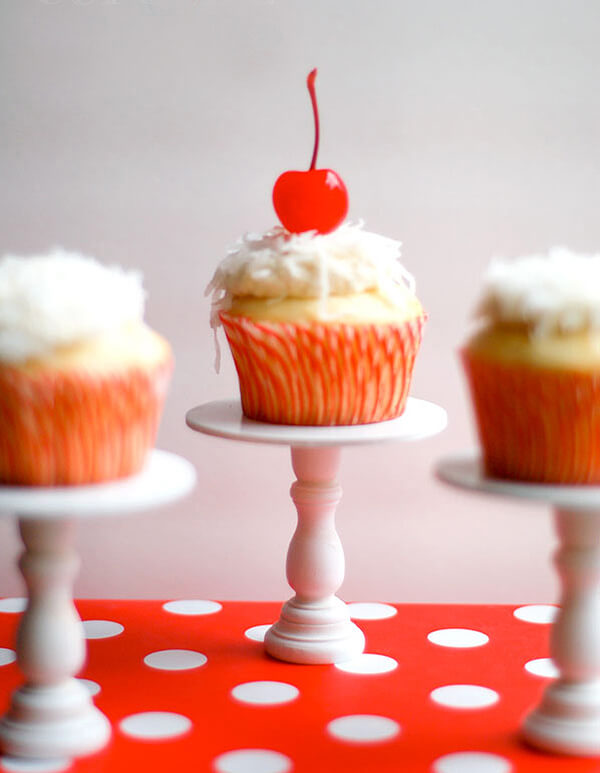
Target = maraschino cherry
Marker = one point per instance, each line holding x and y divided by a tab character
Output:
313	200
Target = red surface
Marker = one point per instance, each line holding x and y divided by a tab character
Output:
298	729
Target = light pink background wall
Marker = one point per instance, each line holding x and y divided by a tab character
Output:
150	132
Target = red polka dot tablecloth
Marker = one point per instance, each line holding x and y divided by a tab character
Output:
188	688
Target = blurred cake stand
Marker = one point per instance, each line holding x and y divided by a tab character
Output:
315	625
567	721
52	715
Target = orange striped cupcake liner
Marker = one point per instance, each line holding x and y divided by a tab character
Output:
322	374
536	424
69	428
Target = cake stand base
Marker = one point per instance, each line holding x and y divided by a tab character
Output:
314	633
567	720
315	625
56	721
52	714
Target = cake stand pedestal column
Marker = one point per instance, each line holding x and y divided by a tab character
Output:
315	625
52	715
567	720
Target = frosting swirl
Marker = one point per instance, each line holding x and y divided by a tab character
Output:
55	300
279	264
556	292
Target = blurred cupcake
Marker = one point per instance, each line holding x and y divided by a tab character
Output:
323	327
82	378
533	368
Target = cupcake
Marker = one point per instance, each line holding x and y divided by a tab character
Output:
82	378
533	368
321	317
323	328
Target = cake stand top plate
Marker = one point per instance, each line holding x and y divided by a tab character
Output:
165	478
224	418
465	471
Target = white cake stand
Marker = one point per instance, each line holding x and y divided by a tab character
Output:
52	714
567	721
315	625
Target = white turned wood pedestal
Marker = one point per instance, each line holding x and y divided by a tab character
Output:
52	715
315	625
567	721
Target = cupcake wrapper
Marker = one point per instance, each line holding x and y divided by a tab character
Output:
68	428
322	374
536	424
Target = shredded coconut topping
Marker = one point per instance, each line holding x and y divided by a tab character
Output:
278	264
58	299
559	291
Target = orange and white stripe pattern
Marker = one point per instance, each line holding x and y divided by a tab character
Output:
536	424
323	374
66	427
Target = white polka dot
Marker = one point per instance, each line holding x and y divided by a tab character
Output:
16	604
361	610
252	761
155	725
542	667
175	660
257	632
7	656
192	607
464	696
458	637
30	765
101	629
471	762
368	663
363	728
265	693
537	613
92	687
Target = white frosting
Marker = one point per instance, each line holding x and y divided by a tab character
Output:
559	291
278	264
54	300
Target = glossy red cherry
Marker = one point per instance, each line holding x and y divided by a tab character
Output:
315	199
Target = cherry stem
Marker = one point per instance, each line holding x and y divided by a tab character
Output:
310	82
